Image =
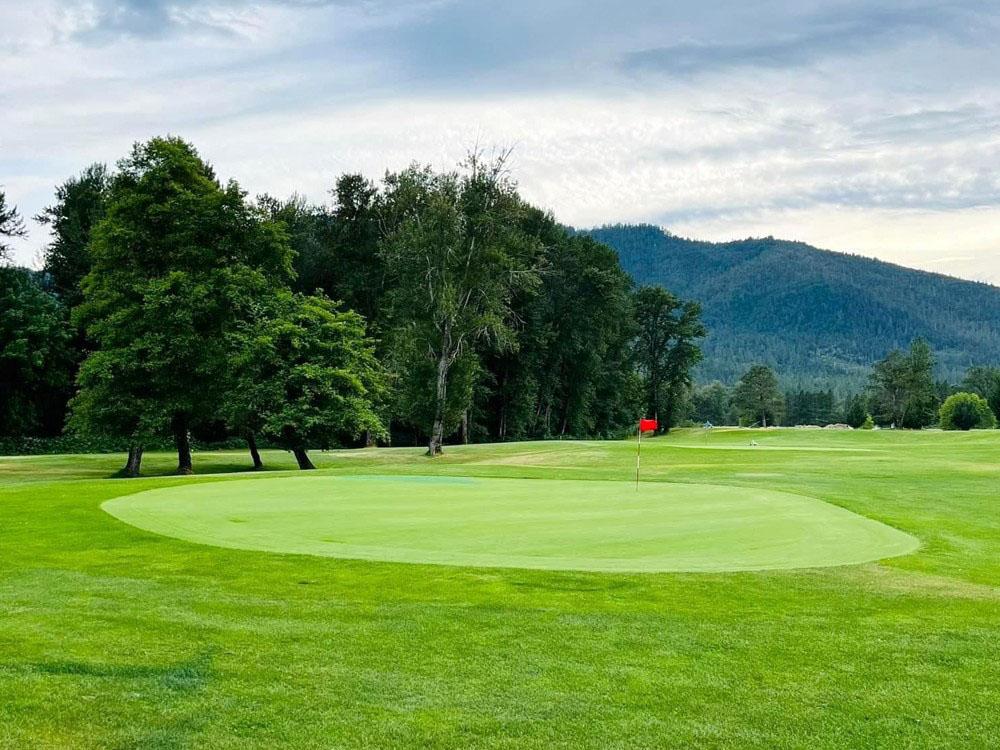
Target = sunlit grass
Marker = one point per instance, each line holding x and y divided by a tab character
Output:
111	636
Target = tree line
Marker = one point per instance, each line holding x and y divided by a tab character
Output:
902	392
427	307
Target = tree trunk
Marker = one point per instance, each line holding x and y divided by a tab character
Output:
465	427
302	457
763	419
254	453
440	402
134	461
183	441
369	440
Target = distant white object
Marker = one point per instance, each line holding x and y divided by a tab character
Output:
708	425
838	426
753	443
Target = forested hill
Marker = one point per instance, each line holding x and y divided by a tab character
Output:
818	317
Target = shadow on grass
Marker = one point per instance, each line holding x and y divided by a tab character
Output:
183	676
200	470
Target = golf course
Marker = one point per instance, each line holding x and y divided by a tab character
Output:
819	589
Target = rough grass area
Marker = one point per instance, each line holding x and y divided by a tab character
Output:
115	637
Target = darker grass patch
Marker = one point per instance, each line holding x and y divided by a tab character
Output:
185	676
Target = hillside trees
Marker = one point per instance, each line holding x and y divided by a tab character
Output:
455	258
758	398
170	255
825	318
666	349
902	388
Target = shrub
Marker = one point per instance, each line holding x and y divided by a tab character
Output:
966	411
869	423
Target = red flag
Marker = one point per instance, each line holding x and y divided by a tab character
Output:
647	425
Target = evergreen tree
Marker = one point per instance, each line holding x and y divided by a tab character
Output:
665	349
712	403
758	398
80	205
902	388
855	411
35	357
11	226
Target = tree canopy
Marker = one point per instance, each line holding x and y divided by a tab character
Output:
758	398
173	252
966	411
902	388
666	350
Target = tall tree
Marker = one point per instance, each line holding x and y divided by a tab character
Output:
902	388
666	349
567	375
173	251
80	205
758	397
304	375
855	410
11	226
455	257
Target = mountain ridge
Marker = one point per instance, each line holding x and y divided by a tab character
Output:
820	317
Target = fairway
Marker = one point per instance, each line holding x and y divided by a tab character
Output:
517	523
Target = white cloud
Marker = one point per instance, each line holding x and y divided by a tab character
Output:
887	145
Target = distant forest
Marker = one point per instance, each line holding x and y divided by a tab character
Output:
433	307
820	319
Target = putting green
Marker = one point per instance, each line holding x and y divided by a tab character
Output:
521	523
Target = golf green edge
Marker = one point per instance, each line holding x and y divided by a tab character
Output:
553	524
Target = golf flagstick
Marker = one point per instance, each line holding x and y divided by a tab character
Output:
638	450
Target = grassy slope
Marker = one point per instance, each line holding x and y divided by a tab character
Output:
114	637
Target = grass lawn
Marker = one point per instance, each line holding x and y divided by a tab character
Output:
115	636
552	524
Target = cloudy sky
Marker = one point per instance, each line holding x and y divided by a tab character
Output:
870	127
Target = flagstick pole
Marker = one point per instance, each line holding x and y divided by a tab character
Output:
638	450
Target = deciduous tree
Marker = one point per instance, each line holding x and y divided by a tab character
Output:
304	375
173	252
455	257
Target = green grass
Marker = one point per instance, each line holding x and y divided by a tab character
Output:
552	524
116	637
